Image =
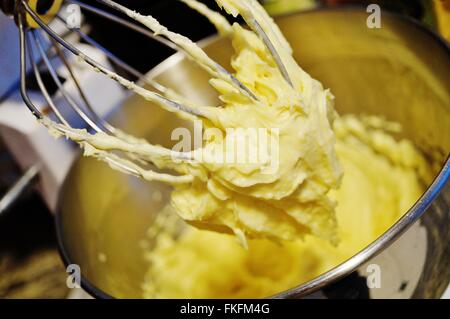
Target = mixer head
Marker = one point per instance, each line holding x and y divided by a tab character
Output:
45	9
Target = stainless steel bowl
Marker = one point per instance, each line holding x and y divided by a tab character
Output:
399	71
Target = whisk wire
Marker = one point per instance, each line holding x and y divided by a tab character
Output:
125	23
135	150
116	60
34	110
108	127
43	88
174	38
23	70
149	95
37	41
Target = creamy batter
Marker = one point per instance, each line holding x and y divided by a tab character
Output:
383	179
248	199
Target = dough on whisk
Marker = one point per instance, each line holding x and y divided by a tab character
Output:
284	194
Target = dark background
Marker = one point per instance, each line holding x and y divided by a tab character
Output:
138	50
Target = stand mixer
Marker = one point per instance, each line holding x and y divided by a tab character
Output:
417	234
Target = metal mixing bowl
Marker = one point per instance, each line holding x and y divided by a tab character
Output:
400	71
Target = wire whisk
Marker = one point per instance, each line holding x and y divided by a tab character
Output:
40	43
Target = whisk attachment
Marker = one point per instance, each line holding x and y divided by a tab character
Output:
34	110
37	41
119	62
213	185
157	32
32	39
33	44
151	96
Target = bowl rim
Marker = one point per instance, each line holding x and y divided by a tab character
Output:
350	265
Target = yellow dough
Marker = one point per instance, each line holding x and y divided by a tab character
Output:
284	194
383	178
